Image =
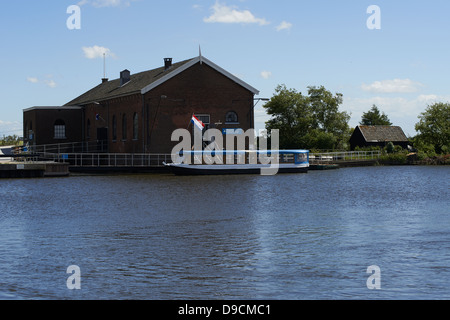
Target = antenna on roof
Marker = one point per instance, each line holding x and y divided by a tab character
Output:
104	69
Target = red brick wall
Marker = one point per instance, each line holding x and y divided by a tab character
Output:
43	121
200	90
117	107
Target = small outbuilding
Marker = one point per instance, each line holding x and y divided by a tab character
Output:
378	136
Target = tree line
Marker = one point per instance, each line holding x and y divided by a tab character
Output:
315	121
13	140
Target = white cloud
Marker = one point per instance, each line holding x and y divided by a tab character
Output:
284	26
230	14
32	80
97	52
49	82
8	128
428	98
266	74
392	86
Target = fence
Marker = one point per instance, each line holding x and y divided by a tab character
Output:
337	157
110	159
93	154
72	147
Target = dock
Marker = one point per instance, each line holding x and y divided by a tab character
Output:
61	160
42	169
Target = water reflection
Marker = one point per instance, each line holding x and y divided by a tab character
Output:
308	236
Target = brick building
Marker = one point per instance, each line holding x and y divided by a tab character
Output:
137	113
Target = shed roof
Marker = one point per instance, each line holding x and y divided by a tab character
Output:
382	133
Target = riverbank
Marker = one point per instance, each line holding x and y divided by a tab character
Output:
413	159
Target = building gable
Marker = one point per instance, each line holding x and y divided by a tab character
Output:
193	62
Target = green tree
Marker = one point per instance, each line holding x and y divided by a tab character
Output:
312	121
373	117
10	140
434	127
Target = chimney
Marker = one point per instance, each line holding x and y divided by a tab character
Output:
104	80
124	77
167	63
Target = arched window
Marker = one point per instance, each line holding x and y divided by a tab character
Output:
231	117
135	126
60	129
114	127
88	128
124	127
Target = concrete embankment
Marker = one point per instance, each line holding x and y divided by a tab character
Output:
33	170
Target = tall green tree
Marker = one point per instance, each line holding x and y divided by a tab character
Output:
434	127
374	117
310	121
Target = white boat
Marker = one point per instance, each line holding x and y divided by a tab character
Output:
267	162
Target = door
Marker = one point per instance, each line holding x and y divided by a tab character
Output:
102	139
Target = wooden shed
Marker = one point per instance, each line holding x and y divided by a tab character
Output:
367	136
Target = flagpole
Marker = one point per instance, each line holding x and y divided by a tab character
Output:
190	121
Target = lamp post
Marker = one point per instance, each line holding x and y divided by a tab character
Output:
260	99
257	100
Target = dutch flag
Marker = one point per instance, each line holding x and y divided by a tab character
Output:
197	123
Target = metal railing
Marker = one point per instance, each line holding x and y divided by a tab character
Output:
113	160
336	157
94	154
70	147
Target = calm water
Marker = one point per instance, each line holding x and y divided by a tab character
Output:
300	236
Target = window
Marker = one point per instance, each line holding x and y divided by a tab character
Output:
124	127
231	117
88	128
60	129
205	118
114	126
135	126
30	131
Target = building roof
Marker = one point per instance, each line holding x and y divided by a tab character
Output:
52	108
145	81
112	89
382	133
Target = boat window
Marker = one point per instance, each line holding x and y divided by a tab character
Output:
301	157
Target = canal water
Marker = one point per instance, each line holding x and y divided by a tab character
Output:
292	237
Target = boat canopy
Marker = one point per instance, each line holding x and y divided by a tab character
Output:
240	152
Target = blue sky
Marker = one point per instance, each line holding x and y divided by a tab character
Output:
402	67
